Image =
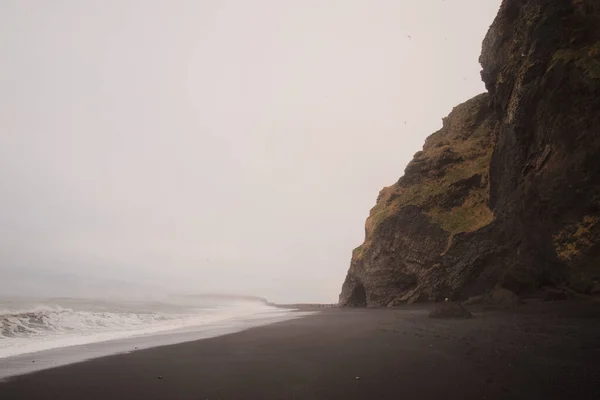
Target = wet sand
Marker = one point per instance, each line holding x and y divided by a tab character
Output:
539	351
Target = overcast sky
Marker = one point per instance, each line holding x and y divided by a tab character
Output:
214	146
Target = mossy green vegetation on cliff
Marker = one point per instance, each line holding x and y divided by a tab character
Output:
575	238
448	179
587	59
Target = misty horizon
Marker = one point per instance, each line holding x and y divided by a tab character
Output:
214	147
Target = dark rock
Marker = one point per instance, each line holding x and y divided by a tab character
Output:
507	193
416	221
552	294
503	297
450	310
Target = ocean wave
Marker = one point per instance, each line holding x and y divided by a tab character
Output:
45	320
47	326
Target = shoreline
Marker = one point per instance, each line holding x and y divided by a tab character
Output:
32	362
536	351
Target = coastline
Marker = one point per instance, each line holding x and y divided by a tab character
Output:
536	351
32	362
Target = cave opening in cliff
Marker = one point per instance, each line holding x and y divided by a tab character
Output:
358	297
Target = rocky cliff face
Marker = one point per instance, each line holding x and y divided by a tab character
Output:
507	193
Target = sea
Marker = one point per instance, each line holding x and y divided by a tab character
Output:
37	334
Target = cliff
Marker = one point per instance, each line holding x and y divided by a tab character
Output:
507	193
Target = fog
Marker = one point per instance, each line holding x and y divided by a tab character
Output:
214	146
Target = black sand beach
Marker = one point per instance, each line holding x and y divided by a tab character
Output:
537	352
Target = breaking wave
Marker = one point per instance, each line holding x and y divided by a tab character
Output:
47	326
44	321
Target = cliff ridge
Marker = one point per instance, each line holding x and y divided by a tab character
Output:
507	194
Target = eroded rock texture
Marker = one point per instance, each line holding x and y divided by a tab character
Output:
507	193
